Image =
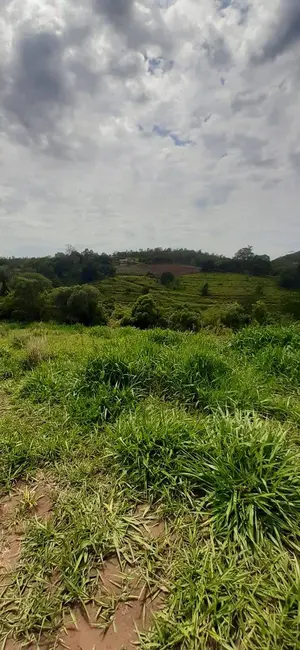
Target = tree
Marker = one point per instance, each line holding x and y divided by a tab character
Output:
144	313
4	278
205	290
28	296
290	278
244	254
95	267
83	306
79	304
167	278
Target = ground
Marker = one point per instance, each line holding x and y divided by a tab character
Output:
149	488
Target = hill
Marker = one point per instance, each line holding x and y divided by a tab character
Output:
138	268
286	260
223	288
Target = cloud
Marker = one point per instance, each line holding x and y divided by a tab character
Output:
145	122
37	86
284	30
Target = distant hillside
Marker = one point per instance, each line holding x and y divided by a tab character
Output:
136	268
223	288
287	260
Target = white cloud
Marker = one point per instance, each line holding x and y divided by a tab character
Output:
133	124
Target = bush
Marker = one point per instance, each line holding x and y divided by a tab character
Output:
167	278
182	319
234	316
144	313
205	290
79	304
260	313
27	300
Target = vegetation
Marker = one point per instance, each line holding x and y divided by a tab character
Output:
119	428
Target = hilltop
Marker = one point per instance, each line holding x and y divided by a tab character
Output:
287	260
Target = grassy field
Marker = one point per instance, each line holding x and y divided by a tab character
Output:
149	488
223	288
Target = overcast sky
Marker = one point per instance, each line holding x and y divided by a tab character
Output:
129	124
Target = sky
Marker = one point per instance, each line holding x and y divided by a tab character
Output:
132	124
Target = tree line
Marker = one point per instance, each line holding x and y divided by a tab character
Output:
74	268
62	287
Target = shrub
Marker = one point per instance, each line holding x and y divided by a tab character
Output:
79	304
260	313
234	316
145	314
205	290
167	278
27	300
182	319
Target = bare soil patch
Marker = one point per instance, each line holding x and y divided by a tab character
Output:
157	269
132	614
132	606
24	501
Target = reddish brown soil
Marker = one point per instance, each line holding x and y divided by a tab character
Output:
12	531
130	617
157	269
130	605
133	611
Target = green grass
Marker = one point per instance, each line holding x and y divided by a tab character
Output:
224	288
201	429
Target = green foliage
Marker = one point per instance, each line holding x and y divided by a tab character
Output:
145	314
253	339
167	278
4	280
260	313
182	319
27	299
232	316
152	446
81	304
205	290
253	475
123	429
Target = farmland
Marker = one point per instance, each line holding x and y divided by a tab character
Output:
223	288
150	487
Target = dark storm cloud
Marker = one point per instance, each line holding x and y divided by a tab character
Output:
126	19
118	12
286	31
37	85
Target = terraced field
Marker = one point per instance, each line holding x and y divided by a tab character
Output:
149	489
223	288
